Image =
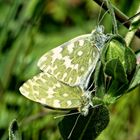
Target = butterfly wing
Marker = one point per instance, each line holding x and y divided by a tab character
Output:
47	90
71	62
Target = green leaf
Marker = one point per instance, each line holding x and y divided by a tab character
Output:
115	69
116	89
136	79
99	80
14	133
86	128
118	82
114	48
130	60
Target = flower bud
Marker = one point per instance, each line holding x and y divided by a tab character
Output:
113	49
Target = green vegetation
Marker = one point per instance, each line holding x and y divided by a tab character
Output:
28	29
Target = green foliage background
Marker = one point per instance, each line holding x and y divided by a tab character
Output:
28	29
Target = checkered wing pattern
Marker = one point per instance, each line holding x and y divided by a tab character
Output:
72	62
47	90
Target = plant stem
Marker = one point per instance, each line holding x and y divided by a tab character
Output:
119	15
111	10
130	35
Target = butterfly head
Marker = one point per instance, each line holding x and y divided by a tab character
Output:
85	109
98	36
86	103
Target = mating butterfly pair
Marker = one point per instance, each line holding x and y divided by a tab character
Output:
66	72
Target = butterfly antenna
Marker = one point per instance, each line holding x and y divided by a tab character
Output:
65	115
73	127
92	107
103	17
98	20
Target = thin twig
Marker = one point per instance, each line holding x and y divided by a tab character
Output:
119	15
130	35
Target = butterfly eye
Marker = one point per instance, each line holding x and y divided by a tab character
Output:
100	29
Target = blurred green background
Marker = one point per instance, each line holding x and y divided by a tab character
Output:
28	29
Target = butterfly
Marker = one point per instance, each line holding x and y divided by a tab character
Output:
66	72
74	61
48	91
